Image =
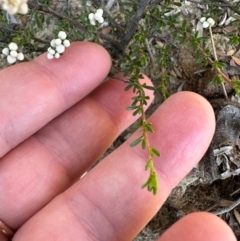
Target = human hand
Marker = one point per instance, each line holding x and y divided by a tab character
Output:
54	126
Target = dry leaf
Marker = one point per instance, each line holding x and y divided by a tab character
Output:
159	43
236	60
230	52
225	203
230	29
106	30
237	215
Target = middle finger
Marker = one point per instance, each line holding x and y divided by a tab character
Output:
51	160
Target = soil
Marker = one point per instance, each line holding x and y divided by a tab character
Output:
199	191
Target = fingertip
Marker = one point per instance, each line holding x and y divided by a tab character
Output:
186	124
77	55
197	227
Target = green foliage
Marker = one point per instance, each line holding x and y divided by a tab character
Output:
217	80
218	65
236	86
234	40
152	182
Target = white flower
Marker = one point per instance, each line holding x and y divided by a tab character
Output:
92	19
57	55
11	6
99	12
60	49
100	19
5	51
58	41
58	45
11	60
96	17
50	56
210	21
14	53
20	56
51	51
62	35
15	6
23	8
53	43
203	19
66	43
13	46
205	25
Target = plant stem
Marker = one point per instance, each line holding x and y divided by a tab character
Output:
216	58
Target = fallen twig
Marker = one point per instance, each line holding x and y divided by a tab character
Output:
133	24
227	209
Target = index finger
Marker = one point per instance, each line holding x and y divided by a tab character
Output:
34	93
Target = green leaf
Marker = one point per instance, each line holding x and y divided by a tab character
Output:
236	86
138	123
128	87
134	102
132	107
217	80
137	111
148	127
219	65
155	152
152	183
143	143
177	4
137	141
234	40
38	20
148	87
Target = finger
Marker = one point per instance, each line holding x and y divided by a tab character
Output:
52	159
34	93
108	203
198	227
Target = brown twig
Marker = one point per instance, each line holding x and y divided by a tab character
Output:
133	24
233	8
227	209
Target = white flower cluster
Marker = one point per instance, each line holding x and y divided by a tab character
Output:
207	22
12	54
93	17
58	46
14	6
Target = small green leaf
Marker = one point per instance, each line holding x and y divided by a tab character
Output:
155	152
236	86
217	80
148	127
132	107
137	111
149	164
137	141
138	124
219	65
234	40
148	87
151	183
128	87
143	143
177	4
38	20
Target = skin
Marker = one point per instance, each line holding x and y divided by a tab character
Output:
57	118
